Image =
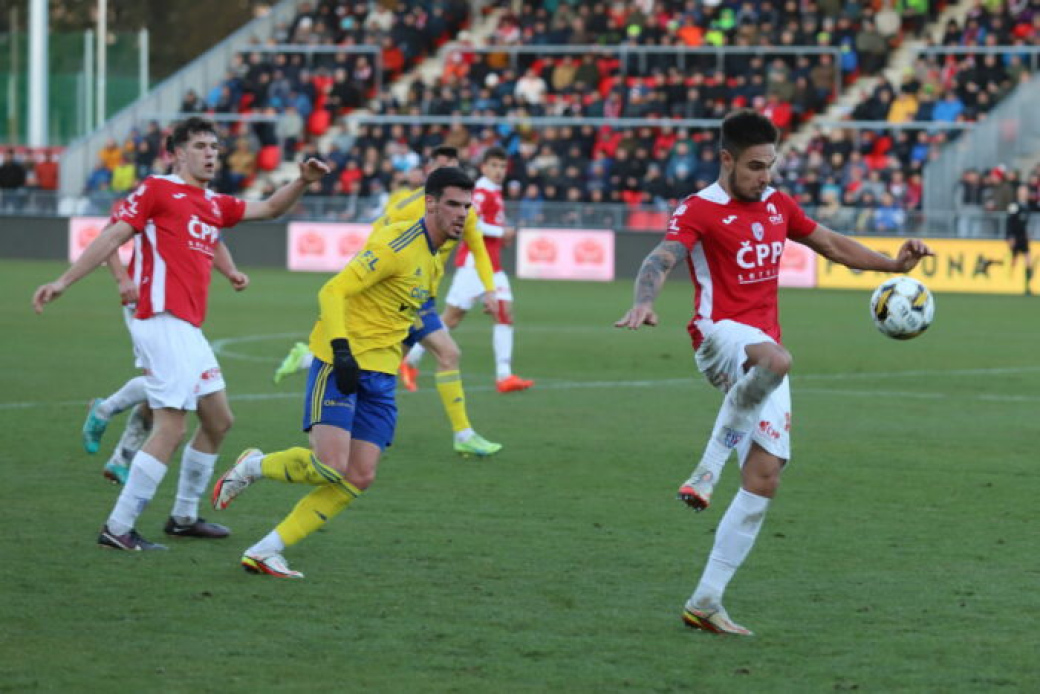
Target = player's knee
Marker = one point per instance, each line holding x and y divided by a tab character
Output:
779	361
762	482
224	423
448	357
219	424
452	316
361	478
331	457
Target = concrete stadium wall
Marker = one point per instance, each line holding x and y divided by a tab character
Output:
34	238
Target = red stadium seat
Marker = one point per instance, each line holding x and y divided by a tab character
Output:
269	158
319	122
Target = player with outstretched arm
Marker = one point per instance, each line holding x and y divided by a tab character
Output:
179	221
731	235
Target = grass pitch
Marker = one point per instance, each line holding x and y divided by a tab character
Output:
900	555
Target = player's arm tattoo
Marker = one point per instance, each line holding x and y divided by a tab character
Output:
655	270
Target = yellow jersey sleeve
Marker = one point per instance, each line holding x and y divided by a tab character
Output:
475	240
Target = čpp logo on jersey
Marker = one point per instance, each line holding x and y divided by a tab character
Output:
202	231
751	256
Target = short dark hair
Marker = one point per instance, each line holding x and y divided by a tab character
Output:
447	177
495	152
746	128
183	131
446	151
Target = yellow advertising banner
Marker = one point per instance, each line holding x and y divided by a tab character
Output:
960	265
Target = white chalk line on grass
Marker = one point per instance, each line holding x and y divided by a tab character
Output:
694	381
221	347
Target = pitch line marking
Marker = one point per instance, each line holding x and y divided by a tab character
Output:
693	380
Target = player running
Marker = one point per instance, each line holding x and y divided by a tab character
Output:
467	286
349	410
732	235
428	330
179	222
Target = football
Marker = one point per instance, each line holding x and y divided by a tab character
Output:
902	308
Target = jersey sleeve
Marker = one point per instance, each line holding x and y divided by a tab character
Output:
800	224
136	210
366	269
232	210
487	209
474	239
682	227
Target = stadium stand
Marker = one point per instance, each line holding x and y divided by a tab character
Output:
329	82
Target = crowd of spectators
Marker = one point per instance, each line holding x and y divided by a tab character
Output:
24	170
873	175
873	178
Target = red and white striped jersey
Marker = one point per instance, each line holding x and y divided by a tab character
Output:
178	228
491	220
734	255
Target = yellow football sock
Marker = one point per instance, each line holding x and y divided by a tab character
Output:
449	386
314	510
298	465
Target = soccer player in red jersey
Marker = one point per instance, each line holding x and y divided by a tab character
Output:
133	394
732	235
466	288
179	222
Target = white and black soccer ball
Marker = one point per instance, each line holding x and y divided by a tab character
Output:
902	308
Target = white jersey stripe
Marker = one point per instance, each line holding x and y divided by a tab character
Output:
702	275
158	288
137	261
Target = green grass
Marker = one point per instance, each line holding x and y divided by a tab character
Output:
900	555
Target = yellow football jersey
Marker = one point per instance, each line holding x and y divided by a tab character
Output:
374	300
412	206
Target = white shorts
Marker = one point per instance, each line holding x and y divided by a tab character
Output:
721	359
128	318
180	364
466	288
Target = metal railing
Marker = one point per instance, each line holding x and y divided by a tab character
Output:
1011	130
974	223
1030	53
626	51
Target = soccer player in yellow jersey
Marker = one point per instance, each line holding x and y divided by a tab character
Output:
349	409
428	329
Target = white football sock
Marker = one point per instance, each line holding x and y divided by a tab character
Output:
306	361
733	540
146	472
737	416
415	354
196	470
132	393
272	543
502	341
464	435
253	466
134	435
